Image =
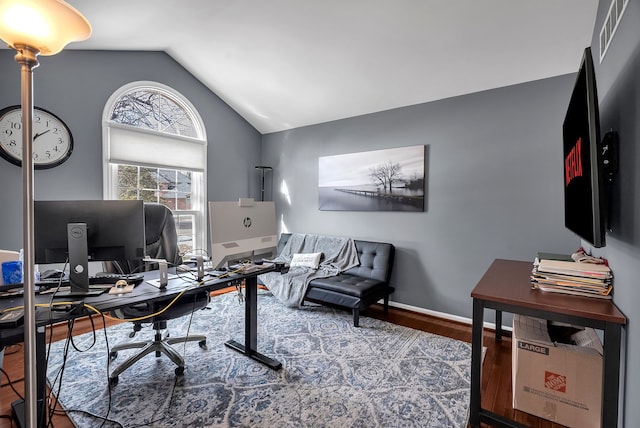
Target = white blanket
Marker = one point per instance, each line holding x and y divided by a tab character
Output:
339	253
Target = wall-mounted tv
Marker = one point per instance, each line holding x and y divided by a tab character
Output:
584	191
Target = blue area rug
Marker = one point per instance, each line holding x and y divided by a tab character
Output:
333	374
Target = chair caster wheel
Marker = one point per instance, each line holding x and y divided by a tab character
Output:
179	371
203	344
113	355
113	381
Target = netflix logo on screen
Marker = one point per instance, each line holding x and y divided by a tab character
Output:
573	163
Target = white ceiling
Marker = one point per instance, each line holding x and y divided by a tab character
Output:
283	64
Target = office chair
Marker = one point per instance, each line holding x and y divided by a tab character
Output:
161	243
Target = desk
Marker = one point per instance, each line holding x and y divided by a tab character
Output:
506	287
141	293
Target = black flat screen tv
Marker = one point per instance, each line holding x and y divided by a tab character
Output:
584	191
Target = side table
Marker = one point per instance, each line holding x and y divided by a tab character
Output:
506	287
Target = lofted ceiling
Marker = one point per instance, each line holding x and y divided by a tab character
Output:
283	64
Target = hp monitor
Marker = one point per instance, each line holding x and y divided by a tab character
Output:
243	230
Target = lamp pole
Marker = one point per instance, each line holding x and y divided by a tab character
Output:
34	27
26	57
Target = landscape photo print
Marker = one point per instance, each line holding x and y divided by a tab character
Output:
378	180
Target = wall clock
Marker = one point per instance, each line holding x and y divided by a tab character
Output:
52	139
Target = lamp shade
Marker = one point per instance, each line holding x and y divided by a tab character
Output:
45	25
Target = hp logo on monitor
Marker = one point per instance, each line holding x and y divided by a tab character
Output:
247	222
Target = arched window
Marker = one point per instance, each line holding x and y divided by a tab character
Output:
155	149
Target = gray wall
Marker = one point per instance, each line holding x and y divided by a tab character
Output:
75	85
619	93
494	170
494	164
494	186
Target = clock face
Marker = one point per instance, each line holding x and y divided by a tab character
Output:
52	140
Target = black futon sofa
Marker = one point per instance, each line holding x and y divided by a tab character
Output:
358	287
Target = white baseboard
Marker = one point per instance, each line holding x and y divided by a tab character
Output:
442	315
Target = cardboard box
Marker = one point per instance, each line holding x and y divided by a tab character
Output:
560	382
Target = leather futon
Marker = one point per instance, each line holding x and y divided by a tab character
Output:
358	287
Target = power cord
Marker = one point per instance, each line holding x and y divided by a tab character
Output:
53	402
10	383
239	294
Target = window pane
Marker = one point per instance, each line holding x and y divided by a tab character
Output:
186	232
153	110
184	187
128	194
127	177
168	200
184	201
148	178
167	179
148	195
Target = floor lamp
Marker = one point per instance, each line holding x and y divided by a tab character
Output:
32	28
263	169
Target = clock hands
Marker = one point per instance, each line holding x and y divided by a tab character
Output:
40	134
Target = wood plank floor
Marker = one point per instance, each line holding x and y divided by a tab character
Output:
496	375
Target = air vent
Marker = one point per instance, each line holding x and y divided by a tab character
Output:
610	25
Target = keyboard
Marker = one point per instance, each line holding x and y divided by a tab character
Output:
66	292
97	279
112	278
98	284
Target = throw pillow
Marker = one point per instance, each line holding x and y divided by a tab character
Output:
310	260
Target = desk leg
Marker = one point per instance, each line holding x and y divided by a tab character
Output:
476	362
611	374
251	327
498	325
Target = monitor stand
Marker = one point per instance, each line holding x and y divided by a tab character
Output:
78	257
17	411
78	263
85	293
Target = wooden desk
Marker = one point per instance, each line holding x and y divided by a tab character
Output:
506	287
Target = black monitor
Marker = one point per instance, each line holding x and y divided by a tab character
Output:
78	232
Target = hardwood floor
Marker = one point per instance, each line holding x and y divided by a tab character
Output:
496	375
496	369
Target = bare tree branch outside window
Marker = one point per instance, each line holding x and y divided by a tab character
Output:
153	110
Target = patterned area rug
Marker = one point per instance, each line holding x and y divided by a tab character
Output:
333	374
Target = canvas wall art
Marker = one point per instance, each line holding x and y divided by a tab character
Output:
378	180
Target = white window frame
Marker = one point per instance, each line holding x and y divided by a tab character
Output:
192	152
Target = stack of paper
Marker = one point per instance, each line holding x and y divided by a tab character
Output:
582	279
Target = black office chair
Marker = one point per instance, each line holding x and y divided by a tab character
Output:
161	243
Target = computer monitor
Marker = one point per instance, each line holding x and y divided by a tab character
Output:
78	232
242	230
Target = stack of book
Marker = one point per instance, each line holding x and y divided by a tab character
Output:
569	277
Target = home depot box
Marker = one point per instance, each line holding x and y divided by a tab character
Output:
561	382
